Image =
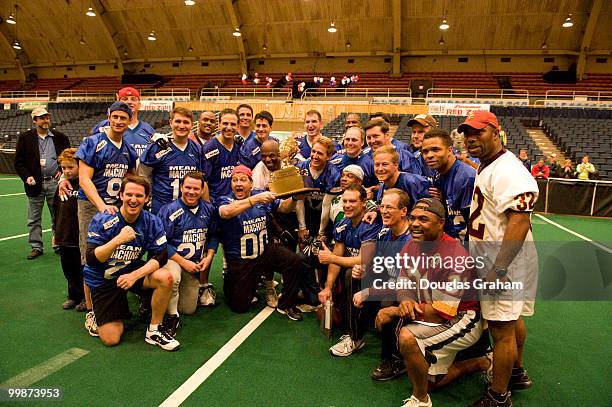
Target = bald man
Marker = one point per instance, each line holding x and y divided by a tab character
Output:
270	162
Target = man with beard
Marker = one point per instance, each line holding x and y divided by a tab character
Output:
244	234
165	168
221	155
250	152
207	126
453	182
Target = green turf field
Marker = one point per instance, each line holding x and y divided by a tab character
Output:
281	363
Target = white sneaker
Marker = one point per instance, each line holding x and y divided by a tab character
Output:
207	296
307	307
415	402
346	346
271	295
162	339
90	324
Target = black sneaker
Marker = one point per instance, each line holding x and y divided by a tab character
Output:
69	304
519	380
34	254
488	400
82	307
172	324
388	369
292	313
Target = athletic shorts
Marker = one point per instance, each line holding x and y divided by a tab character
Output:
506	310
440	344
110	302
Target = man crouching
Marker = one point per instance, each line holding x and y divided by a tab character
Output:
116	244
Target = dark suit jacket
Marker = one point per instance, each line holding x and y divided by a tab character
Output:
27	157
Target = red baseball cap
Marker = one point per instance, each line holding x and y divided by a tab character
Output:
243	169
478	119
127	92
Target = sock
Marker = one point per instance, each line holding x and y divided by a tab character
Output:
153	327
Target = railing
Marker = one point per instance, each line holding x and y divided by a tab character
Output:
363	93
84	96
25	95
228	93
577	98
554	186
176	94
497	96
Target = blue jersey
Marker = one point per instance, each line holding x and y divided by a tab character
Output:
415	186
188	230
138	137
400	145
305	147
219	162
456	186
328	179
342	160
250	152
389	245
150	237
406	163
354	236
425	170
246	236
169	167
110	164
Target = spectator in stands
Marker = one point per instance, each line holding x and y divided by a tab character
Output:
245	215
525	159
138	133
377	136
36	164
207	126
250	152
353	154
270	162
553	166
568	169
355	242
585	169
221	155
540	170
421	124
396	143
352	120
245	120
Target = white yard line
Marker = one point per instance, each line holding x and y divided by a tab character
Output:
602	247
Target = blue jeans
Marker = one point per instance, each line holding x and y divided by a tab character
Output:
35	207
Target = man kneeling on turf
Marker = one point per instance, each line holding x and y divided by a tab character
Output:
116	244
440	321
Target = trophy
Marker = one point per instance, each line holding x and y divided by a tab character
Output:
290	181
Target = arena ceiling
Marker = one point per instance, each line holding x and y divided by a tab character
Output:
57	32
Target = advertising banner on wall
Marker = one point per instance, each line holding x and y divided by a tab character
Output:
166	105
456	109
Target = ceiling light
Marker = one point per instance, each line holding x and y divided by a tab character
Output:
16	45
90	12
332	28
441	42
348	44
544	45
264	47
444	26
11	19
237	32
568	22
151	36
82	40
189	3
190	49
